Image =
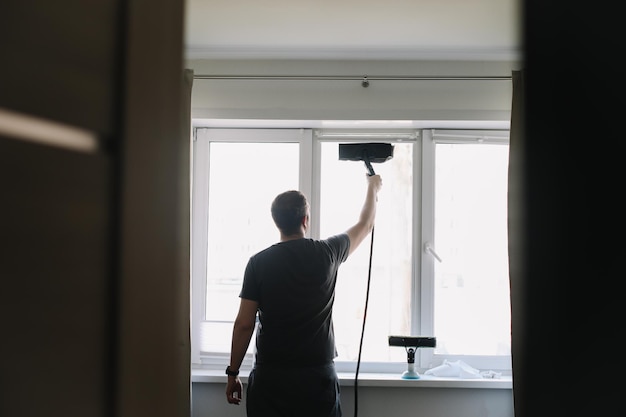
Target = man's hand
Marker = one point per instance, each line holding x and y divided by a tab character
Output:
375	182
233	390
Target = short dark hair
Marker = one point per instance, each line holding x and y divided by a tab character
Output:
288	209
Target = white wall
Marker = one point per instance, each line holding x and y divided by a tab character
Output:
436	103
209	400
469	100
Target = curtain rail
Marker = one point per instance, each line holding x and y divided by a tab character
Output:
351	78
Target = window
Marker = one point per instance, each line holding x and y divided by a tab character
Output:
236	174
465	280
443	198
342	191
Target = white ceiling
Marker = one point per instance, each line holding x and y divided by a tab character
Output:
353	29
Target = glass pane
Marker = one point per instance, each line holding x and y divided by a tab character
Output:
472	309
343	185
244	178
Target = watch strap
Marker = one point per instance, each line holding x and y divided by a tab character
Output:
231	373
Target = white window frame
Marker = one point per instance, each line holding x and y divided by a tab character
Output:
427	250
310	144
374	135
199	215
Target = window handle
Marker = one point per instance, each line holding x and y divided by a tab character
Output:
429	250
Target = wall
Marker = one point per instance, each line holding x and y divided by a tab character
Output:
436	103
209	400
469	100
85	234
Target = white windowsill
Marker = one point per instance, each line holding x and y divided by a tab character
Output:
377	380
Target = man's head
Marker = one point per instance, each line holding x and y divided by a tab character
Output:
290	211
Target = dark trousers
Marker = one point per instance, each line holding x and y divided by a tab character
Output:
299	392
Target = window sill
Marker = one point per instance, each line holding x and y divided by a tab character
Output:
377	380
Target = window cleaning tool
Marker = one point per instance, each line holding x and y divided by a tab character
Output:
411	343
368	153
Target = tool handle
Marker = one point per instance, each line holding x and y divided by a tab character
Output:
368	165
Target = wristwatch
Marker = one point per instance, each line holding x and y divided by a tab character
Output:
231	373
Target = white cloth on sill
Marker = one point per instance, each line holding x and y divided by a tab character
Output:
460	369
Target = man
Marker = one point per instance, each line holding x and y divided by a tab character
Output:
291	285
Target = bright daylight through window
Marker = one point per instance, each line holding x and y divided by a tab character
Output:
470	233
445	194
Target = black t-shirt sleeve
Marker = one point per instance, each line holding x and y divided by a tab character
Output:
250	288
341	246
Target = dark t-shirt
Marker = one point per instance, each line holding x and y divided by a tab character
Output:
294	284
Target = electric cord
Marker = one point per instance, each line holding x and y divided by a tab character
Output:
367	296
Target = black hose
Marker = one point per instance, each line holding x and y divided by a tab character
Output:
367	296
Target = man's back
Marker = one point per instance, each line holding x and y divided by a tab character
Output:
290	286
293	283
